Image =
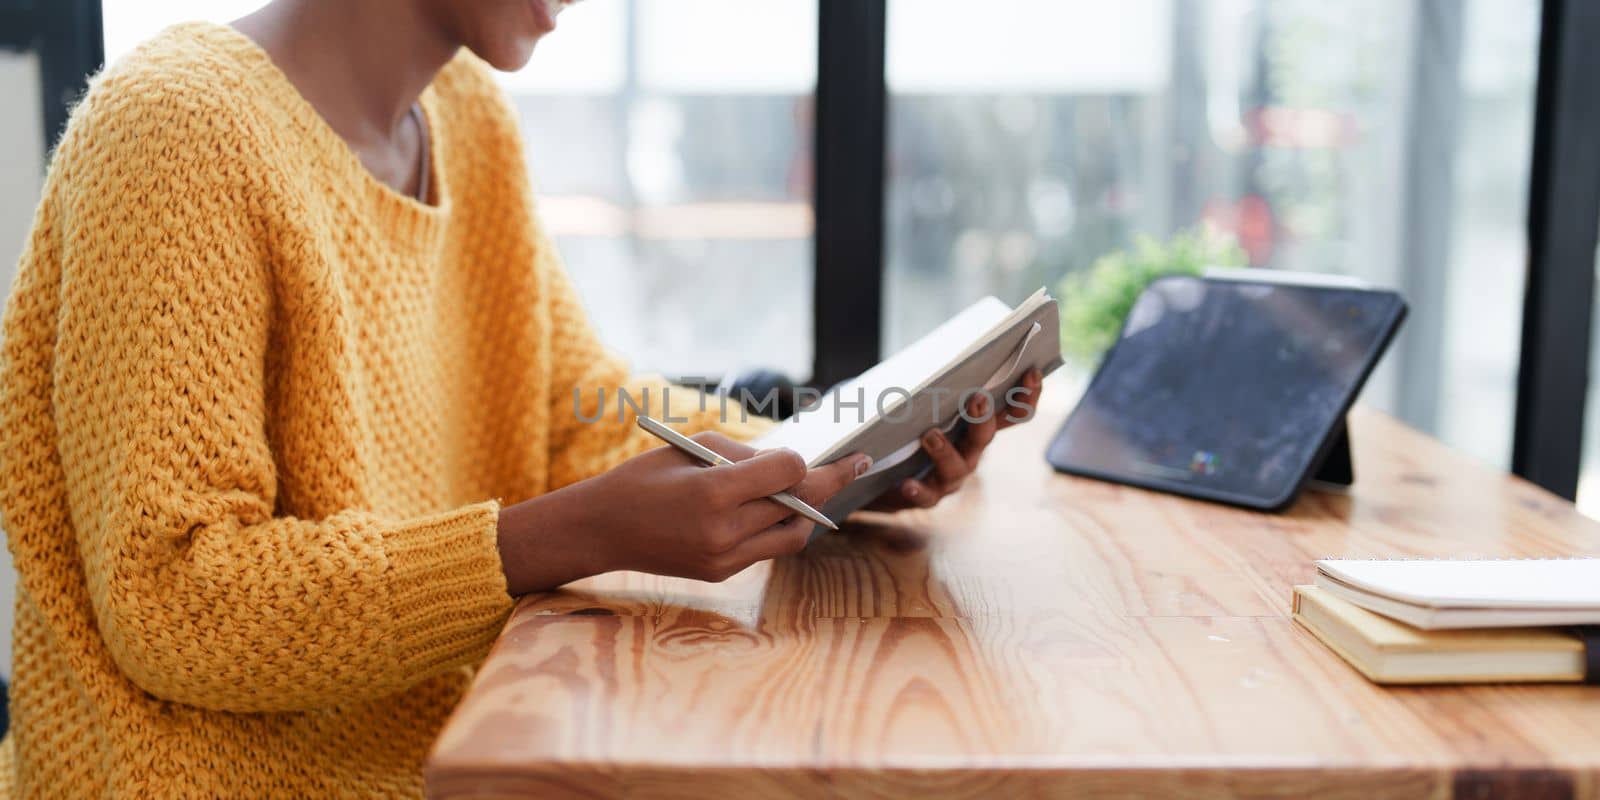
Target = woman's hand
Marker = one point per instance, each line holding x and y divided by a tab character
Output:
952	464
663	513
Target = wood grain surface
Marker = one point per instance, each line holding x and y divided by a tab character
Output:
1036	635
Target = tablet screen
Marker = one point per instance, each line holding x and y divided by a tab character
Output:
1226	389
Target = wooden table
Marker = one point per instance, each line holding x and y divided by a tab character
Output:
1036	635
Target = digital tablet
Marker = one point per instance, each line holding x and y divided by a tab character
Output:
1231	390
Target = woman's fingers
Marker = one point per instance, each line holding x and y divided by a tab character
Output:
724	446
948	464
979	434
1021	405
779	531
916	494
825	481
766	472
758	513
783	539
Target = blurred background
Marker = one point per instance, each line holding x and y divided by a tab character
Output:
670	141
672	147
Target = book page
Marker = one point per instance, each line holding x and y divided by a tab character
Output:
1511	583
851	405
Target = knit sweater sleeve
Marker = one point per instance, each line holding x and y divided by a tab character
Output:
203	593
597	401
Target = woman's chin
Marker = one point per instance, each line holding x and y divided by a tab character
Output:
512	54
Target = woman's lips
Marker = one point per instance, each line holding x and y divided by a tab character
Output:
545	12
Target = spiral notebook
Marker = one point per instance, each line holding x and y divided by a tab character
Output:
1439	594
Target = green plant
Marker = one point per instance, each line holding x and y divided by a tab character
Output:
1095	301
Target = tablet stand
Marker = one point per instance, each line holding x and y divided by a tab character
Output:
1336	470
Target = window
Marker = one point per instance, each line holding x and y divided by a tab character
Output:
672	164
129	22
1389	141
22	172
1362	138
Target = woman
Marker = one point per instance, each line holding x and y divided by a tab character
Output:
287	418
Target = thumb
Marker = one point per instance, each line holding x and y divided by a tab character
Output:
826	481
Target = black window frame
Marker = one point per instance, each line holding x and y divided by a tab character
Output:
852	100
68	39
1563	217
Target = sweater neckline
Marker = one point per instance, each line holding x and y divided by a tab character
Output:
409	222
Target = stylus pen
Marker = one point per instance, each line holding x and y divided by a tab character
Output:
712	458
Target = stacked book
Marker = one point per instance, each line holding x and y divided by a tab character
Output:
1527	620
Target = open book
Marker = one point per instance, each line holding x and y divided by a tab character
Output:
884	411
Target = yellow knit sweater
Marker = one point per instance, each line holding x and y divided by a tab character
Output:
256	409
